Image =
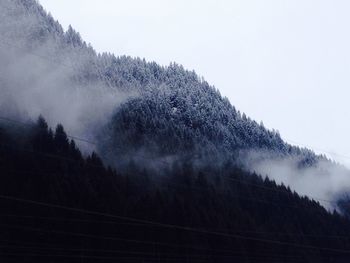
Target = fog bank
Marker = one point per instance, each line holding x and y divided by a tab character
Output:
50	74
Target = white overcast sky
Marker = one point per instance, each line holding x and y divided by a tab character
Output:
286	63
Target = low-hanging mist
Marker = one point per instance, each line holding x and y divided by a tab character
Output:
325	181
139	111
45	71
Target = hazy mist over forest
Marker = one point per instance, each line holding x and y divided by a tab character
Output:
284	63
113	157
110	100
40	76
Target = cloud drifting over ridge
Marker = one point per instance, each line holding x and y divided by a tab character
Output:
41	75
324	181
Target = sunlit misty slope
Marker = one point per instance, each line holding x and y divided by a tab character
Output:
139	111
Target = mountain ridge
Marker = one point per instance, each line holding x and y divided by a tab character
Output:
167	170
132	107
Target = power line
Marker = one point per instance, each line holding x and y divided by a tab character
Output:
231	251
224	177
73	220
76	220
178	227
155	258
93	212
135	241
112	251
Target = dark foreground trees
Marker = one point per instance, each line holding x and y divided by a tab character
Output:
58	206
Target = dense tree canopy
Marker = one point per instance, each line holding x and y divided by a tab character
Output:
60	206
174	190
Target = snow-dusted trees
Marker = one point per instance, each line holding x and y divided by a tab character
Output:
174	111
178	114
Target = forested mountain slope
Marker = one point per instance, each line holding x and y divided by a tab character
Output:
131	109
180	185
57	206
169	102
